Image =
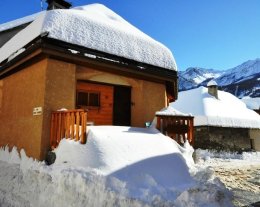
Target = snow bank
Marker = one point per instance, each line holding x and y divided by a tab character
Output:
251	157
97	27
130	154
25	182
226	111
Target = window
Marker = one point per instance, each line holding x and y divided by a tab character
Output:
88	98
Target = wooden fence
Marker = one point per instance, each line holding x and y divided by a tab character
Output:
178	128
70	124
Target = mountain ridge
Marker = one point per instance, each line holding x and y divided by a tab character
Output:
242	80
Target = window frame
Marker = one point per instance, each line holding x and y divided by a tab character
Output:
88	92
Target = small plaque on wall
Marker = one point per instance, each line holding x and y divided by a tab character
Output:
37	111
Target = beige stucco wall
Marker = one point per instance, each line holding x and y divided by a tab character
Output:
20	93
147	97
51	84
60	90
48	84
255	135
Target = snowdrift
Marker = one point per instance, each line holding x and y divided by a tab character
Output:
119	166
130	154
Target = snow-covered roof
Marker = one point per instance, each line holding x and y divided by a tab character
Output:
18	22
212	83
251	103
96	27
226	111
170	111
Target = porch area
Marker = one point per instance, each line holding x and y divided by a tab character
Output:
72	124
68	124
179	128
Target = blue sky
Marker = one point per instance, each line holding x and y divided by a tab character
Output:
216	34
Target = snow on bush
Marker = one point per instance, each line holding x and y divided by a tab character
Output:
73	180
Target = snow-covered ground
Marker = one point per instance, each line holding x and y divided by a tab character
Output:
240	173
119	166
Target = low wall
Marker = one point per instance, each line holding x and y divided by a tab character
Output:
255	136
222	138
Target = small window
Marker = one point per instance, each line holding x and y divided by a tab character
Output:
89	99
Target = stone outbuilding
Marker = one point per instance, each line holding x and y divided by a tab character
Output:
221	120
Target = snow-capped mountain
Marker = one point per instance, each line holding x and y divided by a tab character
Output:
193	77
243	80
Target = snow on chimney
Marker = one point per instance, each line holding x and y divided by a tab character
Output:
213	88
58	4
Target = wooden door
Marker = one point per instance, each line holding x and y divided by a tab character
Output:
122	106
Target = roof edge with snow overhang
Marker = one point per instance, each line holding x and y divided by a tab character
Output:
170	111
98	28
226	111
84	56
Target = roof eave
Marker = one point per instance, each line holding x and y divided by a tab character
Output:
62	50
113	61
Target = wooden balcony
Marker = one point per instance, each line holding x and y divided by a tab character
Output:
69	124
178	128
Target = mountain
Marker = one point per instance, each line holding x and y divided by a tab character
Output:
193	77
242	80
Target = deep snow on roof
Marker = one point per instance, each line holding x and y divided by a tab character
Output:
170	111
226	111
212	83
18	22
97	27
251	103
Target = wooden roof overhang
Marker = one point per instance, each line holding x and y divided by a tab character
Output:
45	47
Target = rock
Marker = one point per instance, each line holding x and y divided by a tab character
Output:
50	158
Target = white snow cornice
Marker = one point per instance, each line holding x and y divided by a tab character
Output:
96	27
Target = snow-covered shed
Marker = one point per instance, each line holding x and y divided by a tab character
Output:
86	57
220	123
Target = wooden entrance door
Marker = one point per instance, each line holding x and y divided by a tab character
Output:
122	106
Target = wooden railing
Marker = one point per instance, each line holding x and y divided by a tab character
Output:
69	124
178	128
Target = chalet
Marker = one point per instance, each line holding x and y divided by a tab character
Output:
221	121
81	58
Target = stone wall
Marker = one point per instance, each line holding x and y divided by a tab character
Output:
255	137
222	138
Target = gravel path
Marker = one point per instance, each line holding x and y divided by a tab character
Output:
240	173
243	181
